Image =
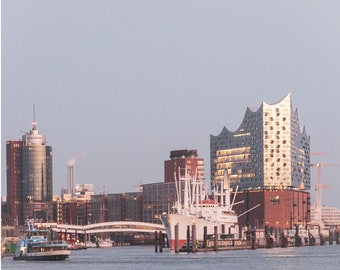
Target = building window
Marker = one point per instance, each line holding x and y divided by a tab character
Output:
275	200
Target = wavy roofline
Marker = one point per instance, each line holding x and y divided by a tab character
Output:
255	110
287	96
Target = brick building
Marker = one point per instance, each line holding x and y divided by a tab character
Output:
277	208
183	159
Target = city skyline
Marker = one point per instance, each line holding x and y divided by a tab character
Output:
127	84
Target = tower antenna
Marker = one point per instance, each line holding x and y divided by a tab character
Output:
34	123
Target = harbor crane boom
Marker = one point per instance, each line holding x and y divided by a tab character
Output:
318	187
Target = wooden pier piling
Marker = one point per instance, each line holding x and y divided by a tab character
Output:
253	239
176	238
298	240
330	238
188	238
156	241
194	243
159	241
337	240
205	236
215	238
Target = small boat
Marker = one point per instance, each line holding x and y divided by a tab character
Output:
90	244
103	243
35	246
76	246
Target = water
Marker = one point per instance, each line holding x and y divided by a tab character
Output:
145	258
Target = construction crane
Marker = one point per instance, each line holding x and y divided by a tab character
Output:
318	187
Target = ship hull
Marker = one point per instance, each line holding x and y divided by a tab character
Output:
186	222
44	256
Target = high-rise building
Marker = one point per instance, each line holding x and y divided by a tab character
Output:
181	159
268	150
14	183
268	159
36	167
29	177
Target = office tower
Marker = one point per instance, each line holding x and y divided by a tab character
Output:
268	159
14	182
36	167
268	150
181	159
37	175
29	177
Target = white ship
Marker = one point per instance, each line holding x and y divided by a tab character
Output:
194	207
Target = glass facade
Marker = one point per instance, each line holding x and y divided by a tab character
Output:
29	177
269	150
132	206
37	173
36	176
115	207
157	198
124	206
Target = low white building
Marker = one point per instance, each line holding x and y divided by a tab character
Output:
330	216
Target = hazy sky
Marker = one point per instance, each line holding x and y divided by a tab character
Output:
126	82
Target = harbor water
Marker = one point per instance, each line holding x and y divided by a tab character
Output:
144	258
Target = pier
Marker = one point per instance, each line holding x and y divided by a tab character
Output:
254	239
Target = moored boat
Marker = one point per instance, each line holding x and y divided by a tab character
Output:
194	208
35	246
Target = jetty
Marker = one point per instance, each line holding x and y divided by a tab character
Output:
251	239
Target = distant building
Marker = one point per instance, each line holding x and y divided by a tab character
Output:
115	207
330	216
278	208
29	178
14	183
160	197
124	206
183	159
84	190
268	159
132	205
157	198
144	206
70	210
66	211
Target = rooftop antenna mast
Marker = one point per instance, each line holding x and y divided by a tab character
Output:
34	123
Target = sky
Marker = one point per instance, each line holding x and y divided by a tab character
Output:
120	84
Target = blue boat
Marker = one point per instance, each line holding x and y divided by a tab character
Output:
35	246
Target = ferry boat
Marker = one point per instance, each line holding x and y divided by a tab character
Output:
35	246
194	207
